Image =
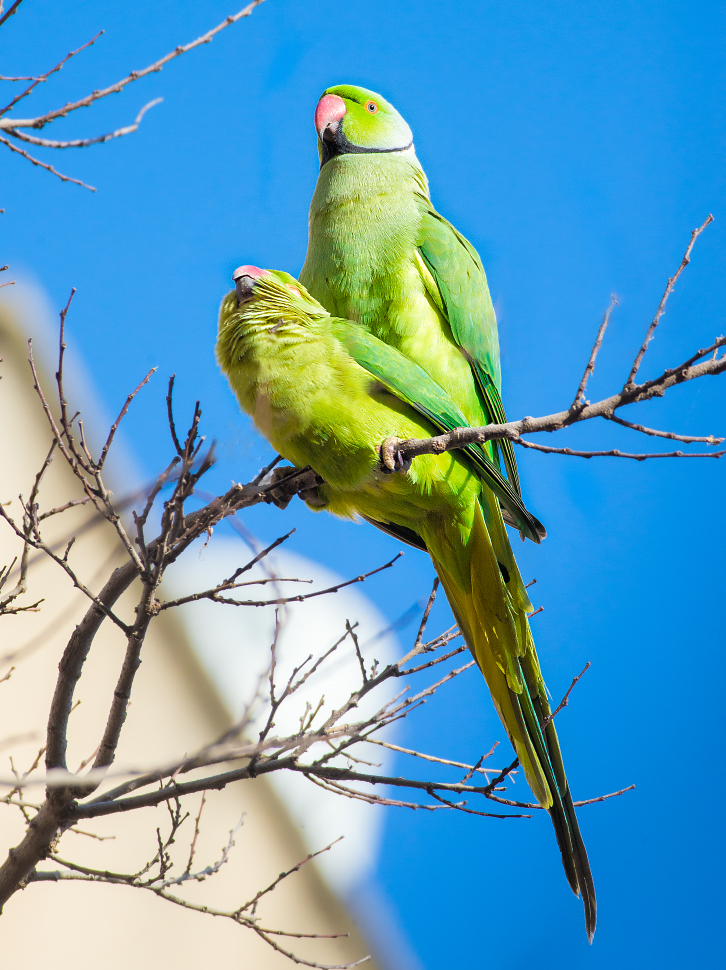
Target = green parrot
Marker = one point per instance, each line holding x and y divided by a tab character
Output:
381	255
325	392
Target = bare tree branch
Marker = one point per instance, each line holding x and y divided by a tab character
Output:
48	168
513	430
582	410
160	883
25	534
85	142
12	126
664	299
441	761
533	805
615	453
119	419
42	78
10	12
213	594
566	699
579	397
687	439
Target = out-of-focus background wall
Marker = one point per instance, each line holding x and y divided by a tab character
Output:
198	674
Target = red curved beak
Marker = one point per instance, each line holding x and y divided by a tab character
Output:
328	114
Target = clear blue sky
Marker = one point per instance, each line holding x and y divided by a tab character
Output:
576	144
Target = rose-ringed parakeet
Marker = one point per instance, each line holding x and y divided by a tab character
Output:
381	255
325	392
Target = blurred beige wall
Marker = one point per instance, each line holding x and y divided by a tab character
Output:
174	710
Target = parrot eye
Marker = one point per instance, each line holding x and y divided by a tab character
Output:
372	107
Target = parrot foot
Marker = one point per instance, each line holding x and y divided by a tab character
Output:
391	457
280	497
280	494
313	498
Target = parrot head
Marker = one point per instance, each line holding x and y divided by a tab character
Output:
354	121
263	302
274	293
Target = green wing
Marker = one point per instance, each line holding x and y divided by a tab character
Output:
463	298
411	384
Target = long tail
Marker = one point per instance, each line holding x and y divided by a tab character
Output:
490	605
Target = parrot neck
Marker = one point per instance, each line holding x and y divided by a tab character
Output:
246	337
364	221
367	178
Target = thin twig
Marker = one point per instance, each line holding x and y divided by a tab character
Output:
495	782
662	305
687	439
264	472
587	801
432	663
461	807
417	647
48	168
59	373
615	453
170	416
354	638
441	761
252	903
10	12
45	119
593	354
566	699
38	543
602	798
193	844
43	77
85	142
212	594
119	419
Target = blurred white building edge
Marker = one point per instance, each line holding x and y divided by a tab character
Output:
201	665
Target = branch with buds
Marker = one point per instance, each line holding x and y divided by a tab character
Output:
15	129
396	453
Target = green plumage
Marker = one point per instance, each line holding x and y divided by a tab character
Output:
326	393
381	255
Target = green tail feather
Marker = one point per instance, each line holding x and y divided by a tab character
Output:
584	875
492	615
562	812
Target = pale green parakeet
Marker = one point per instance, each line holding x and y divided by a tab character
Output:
326	393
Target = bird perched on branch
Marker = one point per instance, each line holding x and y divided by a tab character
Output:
327	393
381	255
